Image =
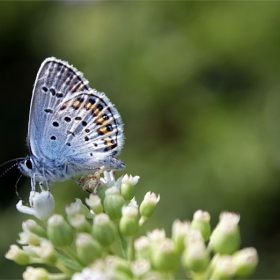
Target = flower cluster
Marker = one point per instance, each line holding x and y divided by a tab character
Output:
97	239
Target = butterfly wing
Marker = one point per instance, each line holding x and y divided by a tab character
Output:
86	129
55	81
70	122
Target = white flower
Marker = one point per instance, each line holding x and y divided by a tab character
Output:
133	203
41	205
156	235
109	179
128	179
89	274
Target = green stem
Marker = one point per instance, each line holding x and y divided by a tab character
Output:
169	276
198	276
122	241
130	248
73	255
57	276
59	265
142	220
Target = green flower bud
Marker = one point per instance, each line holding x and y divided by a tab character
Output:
142	248
75	208
127	191
17	255
164	256
47	253
103	229
59	231
201	222
127	186
113	203
195	257
194	236
101	190
33	227
246	261
80	223
140	267
148	205
35	274
94	203
129	221
28	237
156	235
31	250
179	233
88	249
225	238
224	268
118	265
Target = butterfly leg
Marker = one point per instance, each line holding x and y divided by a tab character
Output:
33	183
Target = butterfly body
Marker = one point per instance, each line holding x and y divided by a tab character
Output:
72	129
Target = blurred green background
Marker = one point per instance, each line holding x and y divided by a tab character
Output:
197	85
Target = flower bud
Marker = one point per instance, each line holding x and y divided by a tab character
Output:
80	223
225	238
246	261
164	256
31	250
59	231
201	222
47	253
195	257
224	268
142	248
156	235
118	265
94	203
28	237
90	274
42	205
101	192
75	208
32	273
33	227
127	186
17	255
113	203
103	229
194	236
148	205
179	233
129	221
140	267
88	249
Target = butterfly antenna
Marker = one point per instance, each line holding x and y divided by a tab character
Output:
7	170
15	159
16	188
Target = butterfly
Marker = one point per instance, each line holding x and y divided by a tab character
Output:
73	129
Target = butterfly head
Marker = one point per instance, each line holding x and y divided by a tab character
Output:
26	166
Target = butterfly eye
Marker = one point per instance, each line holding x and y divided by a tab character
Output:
28	164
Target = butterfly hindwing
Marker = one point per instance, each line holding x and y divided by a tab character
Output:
85	127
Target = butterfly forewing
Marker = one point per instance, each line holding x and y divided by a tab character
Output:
56	81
